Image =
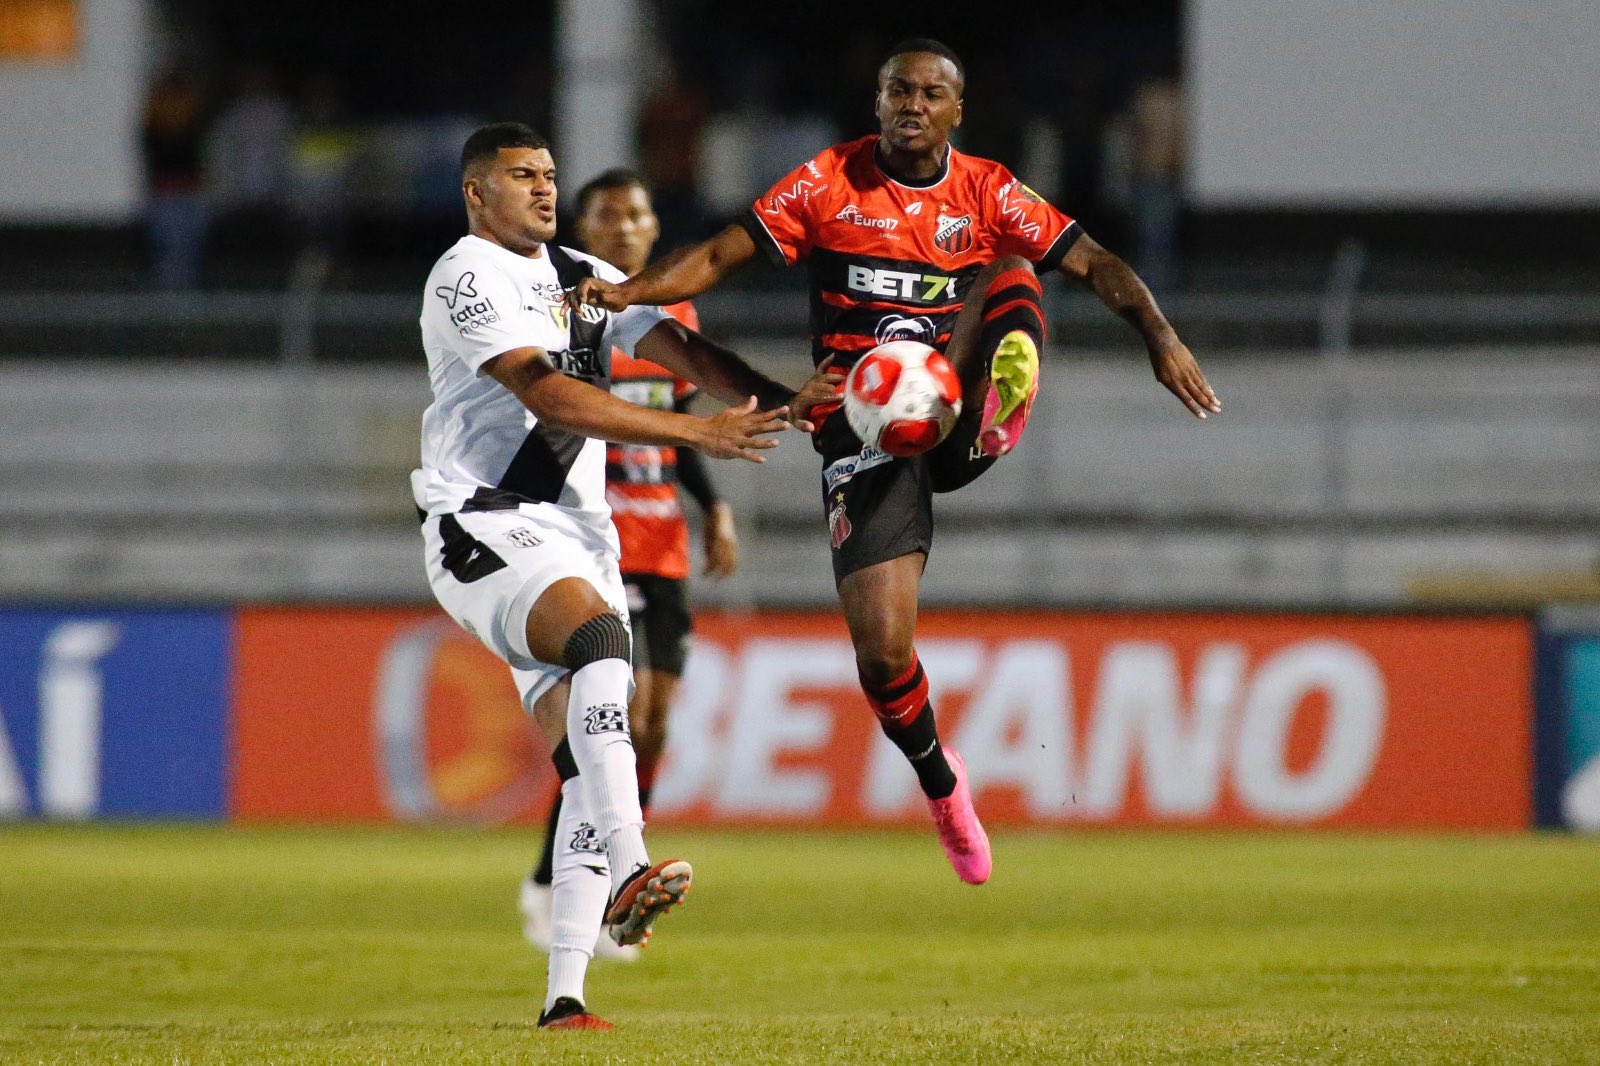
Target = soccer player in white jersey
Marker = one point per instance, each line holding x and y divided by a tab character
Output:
520	549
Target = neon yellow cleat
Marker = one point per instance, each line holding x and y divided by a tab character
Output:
1013	383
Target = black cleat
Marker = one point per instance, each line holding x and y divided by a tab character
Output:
568	1013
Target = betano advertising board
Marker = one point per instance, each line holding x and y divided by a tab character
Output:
1064	719
312	714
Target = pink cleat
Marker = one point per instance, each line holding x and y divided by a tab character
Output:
965	843
1013	384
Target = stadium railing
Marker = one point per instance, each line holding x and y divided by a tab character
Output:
1377	449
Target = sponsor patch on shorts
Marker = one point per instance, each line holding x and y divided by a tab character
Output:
839	471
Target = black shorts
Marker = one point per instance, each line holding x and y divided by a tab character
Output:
878	507
659	607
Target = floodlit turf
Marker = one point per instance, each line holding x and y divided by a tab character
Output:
209	945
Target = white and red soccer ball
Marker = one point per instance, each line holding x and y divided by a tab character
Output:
902	397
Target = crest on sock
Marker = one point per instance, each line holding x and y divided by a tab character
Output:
606	718
587	839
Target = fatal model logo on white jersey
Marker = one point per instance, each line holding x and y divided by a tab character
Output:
450	294
473	313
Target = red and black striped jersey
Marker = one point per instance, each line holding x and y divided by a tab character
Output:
892	261
642	479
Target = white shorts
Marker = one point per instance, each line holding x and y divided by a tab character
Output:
488	568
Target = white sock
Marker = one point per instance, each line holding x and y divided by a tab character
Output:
597	732
580	889
567	968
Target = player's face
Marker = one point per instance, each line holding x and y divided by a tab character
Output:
919	102
513	197
620	226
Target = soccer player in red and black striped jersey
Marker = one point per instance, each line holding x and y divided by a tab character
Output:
906	238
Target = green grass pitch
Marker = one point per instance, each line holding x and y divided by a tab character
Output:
211	945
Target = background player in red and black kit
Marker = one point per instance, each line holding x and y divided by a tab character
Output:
904	237
617	222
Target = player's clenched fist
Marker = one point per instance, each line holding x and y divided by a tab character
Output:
741	432
597	292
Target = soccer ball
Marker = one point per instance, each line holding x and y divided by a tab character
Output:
902	397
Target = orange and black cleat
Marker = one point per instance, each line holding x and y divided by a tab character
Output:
651	892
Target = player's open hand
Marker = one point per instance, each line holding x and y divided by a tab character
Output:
597	292
1176	369
825	386
741	432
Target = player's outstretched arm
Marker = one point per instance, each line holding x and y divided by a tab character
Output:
684	274
719	371
1120	289
741	432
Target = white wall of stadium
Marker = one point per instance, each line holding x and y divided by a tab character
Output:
69	129
1412	103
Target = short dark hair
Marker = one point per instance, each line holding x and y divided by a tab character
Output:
487	140
615	178
926	44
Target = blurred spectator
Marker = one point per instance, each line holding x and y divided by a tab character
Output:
177	212
781	141
324	147
672	123
1157	130
749	149
251	143
250	158
1081	115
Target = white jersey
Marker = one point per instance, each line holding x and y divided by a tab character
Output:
481	448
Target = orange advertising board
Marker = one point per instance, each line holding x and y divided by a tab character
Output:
376	714
1129	719
1064	719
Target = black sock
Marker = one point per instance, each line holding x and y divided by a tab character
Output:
957	462
920	744
566	769
544	870
1012	303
